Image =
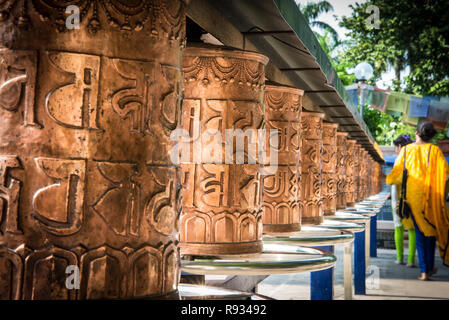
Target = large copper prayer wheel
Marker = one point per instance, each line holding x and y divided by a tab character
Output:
88	194
379	177
311	162
341	169
350	172
281	210
329	166
221	197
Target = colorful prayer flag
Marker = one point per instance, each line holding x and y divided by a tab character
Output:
354	95
418	107
398	101
439	110
379	99
412	121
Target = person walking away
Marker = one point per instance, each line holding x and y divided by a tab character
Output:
401	224
427	173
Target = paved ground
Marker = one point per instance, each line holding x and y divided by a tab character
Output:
395	282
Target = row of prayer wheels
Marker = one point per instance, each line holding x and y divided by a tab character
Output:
92	203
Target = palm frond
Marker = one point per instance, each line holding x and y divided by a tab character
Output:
312	10
326	27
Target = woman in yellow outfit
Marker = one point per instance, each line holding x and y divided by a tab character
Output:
427	172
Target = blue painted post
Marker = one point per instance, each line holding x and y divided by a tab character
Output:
359	263
322	282
373	237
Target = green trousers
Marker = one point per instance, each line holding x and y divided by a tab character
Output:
399	240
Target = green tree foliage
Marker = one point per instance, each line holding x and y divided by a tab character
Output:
412	33
385	127
333	49
312	10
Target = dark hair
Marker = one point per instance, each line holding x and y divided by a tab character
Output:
402	141
426	131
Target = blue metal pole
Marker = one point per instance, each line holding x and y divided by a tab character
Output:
322	282
359	263
373	237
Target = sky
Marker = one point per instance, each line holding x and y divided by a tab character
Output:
341	8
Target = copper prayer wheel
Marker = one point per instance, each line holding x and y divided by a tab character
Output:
356	172
311	178
281	210
350	173
221	196
341	169
364	174
379	177
89	196
373	181
361	177
329	166
370	173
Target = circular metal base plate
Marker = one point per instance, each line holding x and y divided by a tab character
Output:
275	259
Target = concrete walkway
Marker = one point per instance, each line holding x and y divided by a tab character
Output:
385	281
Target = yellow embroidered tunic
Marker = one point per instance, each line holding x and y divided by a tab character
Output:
425	190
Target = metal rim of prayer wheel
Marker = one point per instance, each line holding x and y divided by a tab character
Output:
202	292
340	225
348	217
311	236
275	259
281	209
91	206
311	177
222	212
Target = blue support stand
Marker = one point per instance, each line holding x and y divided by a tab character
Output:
373	237
359	263
322	282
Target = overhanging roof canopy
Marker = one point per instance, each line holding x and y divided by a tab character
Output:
277	29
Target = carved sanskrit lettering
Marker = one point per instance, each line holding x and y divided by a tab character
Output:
9	196
218	116
219	187
124	196
311	164
161	198
146	99
82	111
18	83
117	197
11	269
280	194
59	207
